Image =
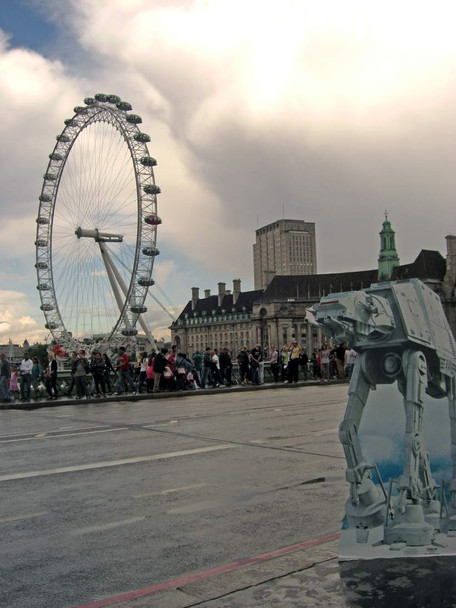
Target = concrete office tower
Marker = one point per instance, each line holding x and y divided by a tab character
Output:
285	247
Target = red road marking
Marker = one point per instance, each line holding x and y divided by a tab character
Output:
191	578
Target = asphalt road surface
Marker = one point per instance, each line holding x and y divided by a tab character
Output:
101	499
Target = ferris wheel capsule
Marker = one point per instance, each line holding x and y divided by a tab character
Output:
153	219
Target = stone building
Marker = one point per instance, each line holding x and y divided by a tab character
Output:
276	314
285	247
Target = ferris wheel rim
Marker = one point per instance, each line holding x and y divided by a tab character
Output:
110	110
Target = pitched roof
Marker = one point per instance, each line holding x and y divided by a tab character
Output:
429	265
207	305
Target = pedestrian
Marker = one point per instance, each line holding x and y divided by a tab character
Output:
150	376
74	364
51	377
340	360
142	378
226	366
183	368
97	369
159	366
324	358
207	374
123	373
243	362
80	376
37	374
303	363
350	358
283	363
26	377
316	372
293	363
274	362
108	368
14	386
254	361
215	368
5	375
197	359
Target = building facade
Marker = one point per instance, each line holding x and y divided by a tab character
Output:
285	247
276	314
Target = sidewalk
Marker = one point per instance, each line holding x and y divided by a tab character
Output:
45	402
308	577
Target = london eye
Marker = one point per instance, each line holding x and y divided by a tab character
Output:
97	227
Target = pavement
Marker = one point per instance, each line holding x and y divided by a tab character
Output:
306	574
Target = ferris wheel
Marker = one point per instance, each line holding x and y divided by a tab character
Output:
97	227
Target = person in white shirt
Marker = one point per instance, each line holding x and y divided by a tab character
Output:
350	358
26	377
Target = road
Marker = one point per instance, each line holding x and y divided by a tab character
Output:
101	499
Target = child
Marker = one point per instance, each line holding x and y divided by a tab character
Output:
14	387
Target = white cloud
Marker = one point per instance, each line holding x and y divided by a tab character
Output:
329	111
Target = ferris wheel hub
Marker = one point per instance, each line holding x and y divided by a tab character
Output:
100	237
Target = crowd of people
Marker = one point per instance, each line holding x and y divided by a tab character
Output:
170	370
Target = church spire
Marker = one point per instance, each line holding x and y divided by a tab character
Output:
388	258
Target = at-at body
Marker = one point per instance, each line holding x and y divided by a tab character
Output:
400	332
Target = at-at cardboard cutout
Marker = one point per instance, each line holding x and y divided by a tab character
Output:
401	334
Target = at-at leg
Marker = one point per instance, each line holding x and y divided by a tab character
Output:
366	506
416	487
451	392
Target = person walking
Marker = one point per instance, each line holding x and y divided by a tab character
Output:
26	377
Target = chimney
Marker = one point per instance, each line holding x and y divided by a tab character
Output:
207	293
236	289
195	296
450	275
221	293
268	275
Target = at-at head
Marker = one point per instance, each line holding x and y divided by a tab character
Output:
356	317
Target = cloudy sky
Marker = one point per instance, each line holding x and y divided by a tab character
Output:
326	111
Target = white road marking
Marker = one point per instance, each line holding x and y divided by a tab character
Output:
104	527
20	517
62	435
116	463
171	490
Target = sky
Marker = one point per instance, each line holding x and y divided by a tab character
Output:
327	111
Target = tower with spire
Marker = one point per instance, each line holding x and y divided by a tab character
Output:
388	258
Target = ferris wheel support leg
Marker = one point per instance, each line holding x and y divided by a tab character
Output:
111	275
115	274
